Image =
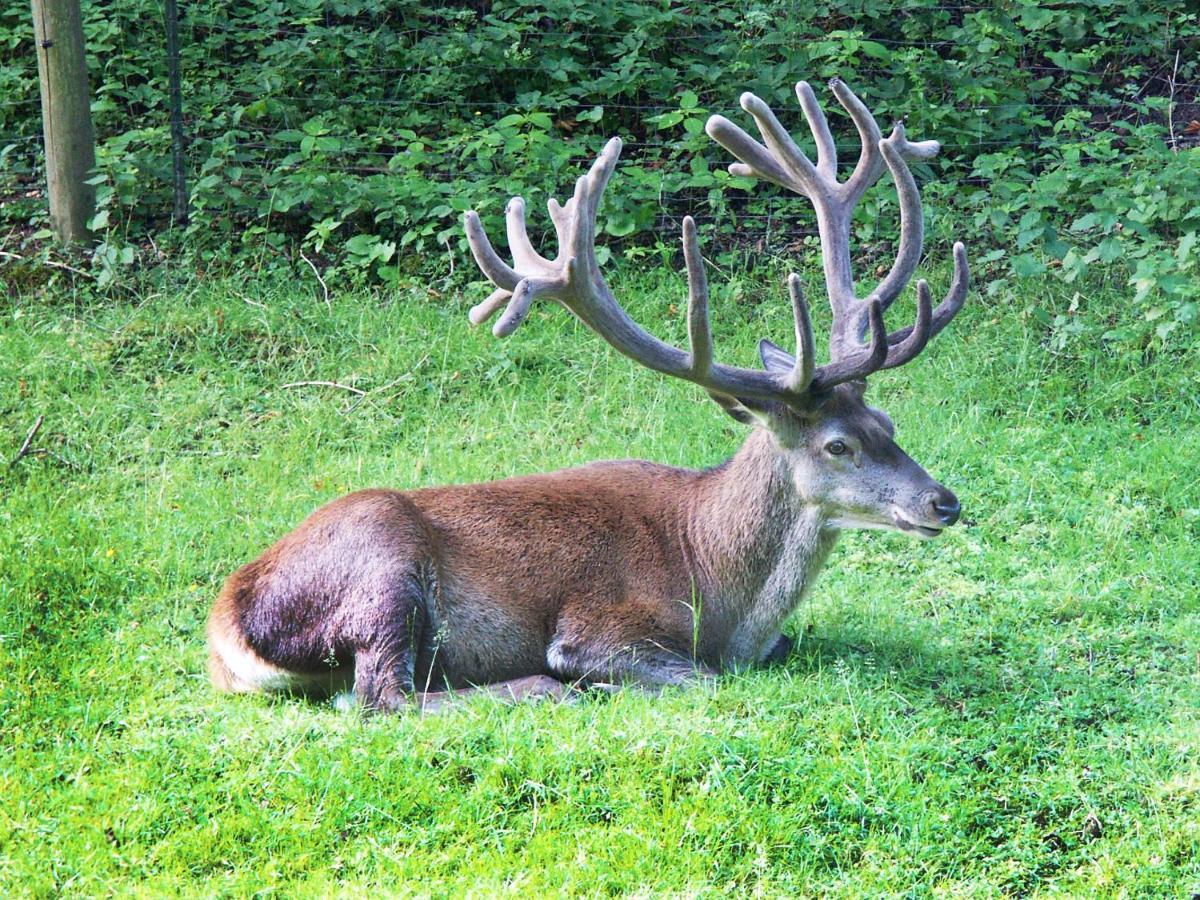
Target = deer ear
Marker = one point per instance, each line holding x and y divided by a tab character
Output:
775	358
748	412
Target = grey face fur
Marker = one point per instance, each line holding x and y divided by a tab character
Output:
844	459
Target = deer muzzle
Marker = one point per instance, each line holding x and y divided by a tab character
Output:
935	509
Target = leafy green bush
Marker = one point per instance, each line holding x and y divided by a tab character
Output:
1119	196
362	130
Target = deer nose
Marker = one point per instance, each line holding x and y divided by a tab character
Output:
945	506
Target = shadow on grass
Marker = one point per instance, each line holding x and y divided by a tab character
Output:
900	652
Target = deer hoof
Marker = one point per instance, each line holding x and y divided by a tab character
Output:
780	652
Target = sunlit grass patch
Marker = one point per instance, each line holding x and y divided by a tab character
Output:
1009	709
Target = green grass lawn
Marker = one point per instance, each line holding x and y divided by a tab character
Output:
1011	709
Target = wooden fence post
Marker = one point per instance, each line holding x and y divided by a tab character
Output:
66	117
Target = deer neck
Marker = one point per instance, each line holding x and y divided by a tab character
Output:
758	547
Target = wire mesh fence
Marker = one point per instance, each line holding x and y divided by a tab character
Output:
337	118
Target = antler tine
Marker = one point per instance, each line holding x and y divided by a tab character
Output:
523	254
951	303
901	351
826	148
756	160
802	372
957	295
699	330
912	222
497	270
803	177
561	217
579	244
481	312
870	160
522	301
602	170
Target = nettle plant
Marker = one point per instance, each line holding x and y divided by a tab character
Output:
1119	201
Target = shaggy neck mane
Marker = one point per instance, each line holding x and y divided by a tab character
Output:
757	545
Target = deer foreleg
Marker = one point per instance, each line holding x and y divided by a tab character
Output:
645	662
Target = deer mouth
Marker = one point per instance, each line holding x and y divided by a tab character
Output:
925	532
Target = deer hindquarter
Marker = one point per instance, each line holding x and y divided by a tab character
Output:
344	596
457	586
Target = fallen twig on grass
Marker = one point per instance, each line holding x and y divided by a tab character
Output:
324	286
48	262
247	300
332	384
25	447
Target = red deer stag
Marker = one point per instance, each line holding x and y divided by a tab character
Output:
622	571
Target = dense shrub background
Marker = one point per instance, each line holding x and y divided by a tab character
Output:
361	130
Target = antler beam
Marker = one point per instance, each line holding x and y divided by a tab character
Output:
573	279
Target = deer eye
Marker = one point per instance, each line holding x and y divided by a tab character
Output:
836	448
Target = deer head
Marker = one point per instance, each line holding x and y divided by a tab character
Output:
839	451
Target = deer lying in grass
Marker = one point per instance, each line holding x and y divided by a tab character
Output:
624	571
